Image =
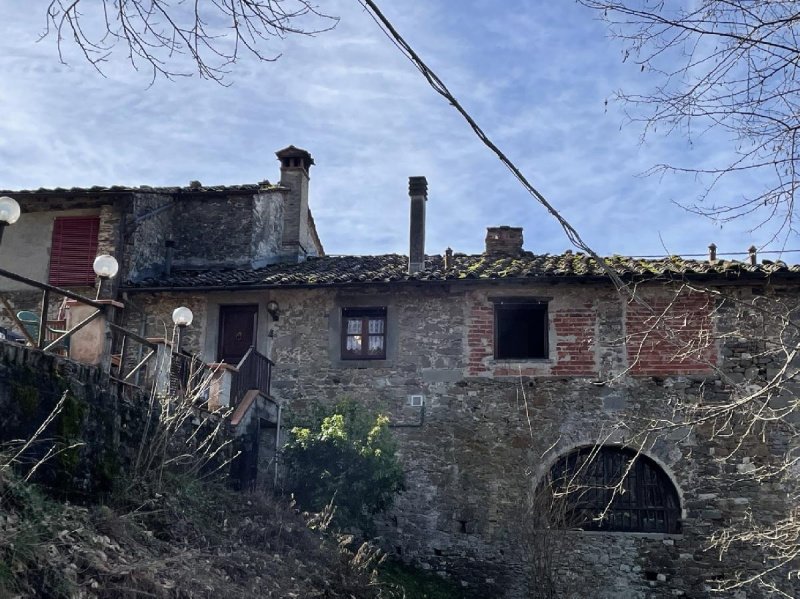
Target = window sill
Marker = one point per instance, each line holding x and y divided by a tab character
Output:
507	361
385	363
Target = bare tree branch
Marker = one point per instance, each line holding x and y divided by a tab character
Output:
176	39
727	65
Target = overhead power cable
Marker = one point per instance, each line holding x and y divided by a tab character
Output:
440	88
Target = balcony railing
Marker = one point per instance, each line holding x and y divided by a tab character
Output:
253	373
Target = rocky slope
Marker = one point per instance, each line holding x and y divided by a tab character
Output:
191	540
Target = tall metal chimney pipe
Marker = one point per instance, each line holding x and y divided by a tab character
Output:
418	194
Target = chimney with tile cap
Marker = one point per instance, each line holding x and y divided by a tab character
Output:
503	241
295	164
418	194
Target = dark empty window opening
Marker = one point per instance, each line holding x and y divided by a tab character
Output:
364	333
520	331
631	492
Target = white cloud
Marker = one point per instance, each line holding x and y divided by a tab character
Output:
535	80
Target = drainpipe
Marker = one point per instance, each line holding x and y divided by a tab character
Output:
277	441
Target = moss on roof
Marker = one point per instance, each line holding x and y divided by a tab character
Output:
341	270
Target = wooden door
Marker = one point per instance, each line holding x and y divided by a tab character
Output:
237	332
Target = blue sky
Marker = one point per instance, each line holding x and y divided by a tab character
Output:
535	74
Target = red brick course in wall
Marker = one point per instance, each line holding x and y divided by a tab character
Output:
670	334
573	354
575	340
480	338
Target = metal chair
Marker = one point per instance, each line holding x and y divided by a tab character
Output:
30	320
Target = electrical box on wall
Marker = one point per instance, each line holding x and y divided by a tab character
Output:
416	401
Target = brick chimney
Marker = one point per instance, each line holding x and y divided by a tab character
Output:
295	164
418	194
503	241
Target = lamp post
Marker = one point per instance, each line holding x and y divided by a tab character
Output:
9	213
182	317
105	267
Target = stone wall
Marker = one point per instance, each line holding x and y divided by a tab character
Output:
267	233
94	440
150	316
213	231
208	230
489	430
104	425
148	228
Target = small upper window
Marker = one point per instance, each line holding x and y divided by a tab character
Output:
520	330
364	333
73	250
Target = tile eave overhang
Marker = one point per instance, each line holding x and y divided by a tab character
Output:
180	192
718	279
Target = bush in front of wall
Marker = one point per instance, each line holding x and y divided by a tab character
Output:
347	456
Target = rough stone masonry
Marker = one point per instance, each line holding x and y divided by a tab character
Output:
490	429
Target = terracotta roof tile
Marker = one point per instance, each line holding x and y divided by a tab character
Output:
346	270
121	189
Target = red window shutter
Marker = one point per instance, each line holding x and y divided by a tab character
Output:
74	249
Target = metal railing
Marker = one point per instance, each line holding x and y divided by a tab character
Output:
253	372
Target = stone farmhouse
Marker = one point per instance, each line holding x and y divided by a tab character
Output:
499	371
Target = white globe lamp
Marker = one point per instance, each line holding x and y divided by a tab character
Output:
9	213
105	266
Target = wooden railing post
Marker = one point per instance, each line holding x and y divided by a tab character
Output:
108	338
43	318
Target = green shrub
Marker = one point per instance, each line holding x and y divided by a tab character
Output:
347	456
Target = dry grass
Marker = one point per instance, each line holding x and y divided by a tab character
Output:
193	540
